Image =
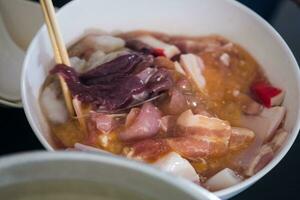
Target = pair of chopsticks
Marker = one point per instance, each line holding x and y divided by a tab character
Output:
61	57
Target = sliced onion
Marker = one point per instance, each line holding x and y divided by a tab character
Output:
223	179
175	164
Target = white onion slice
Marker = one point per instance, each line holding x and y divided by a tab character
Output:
178	68
265	124
175	164
54	107
278	99
77	63
223	179
275	116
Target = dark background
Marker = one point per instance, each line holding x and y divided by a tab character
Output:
281	183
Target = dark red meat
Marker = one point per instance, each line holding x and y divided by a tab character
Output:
112	85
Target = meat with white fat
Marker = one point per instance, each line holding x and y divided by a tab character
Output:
177	103
266	152
240	138
264	156
193	66
168	49
167	123
131	117
201	137
104	122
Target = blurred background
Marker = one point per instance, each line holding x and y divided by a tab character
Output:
284	15
285	18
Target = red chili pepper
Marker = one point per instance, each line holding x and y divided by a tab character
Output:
265	92
158	52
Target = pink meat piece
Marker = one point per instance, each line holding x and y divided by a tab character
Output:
104	123
265	155
196	148
184	85
93	133
240	138
146	74
244	159
132	115
278	139
168	123
177	102
146	125
198	126
149	149
252	108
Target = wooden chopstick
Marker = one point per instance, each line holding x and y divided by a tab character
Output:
57	56
57	33
61	57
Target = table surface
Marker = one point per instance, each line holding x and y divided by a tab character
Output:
281	183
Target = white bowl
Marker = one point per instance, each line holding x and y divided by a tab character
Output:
70	175
191	17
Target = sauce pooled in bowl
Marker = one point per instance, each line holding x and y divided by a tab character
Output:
198	107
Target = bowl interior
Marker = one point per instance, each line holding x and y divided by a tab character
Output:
69	175
192	17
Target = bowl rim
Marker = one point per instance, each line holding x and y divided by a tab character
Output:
187	187
227	192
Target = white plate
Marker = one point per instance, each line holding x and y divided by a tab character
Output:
19	21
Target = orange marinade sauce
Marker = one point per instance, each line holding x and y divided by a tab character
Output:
229	72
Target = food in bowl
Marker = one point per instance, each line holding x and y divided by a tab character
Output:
198	107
